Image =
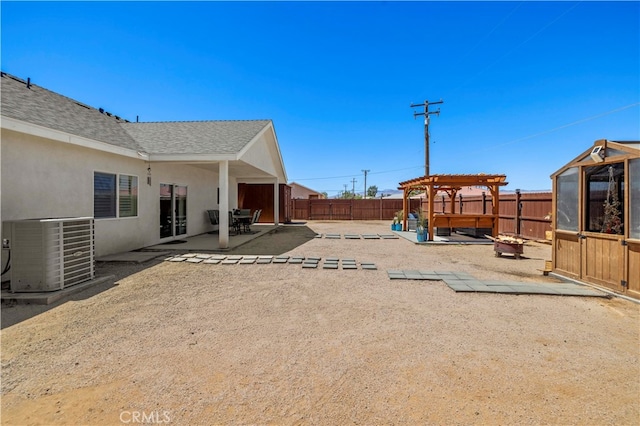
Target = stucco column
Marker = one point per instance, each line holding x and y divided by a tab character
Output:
276	202
223	184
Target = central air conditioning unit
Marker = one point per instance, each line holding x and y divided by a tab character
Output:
51	254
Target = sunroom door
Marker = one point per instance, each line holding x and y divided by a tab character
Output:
603	244
567	241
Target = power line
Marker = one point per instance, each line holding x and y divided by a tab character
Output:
593	117
573	123
515	48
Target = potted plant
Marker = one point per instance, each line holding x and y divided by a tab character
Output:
421	226
398	220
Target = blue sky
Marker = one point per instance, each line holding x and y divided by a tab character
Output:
526	86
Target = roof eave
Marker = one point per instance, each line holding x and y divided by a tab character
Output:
24	127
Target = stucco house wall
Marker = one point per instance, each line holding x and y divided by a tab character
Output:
42	178
52	146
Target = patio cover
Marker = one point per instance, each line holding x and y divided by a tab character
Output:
451	184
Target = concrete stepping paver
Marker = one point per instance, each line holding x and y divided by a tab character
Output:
464	282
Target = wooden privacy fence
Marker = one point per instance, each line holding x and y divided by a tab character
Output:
524	214
348	209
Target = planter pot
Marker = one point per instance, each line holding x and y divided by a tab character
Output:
421	234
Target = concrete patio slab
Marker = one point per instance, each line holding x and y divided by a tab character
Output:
48	297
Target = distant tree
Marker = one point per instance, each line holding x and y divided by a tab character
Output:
349	195
324	194
372	191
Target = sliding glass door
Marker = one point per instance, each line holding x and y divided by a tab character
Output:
173	210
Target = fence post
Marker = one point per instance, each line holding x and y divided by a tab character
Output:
484	203
518	211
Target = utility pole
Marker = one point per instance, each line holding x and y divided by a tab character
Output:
353	191
344	193
365	183
426	114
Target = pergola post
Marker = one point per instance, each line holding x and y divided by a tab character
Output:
432	213
405	214
495	209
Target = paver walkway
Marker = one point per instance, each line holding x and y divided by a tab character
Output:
457	281
358	236
330	263
464	282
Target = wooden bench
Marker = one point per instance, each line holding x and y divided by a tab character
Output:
452	220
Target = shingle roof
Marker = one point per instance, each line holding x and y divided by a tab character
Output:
43	107
195	137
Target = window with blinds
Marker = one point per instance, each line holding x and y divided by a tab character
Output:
128	187
111	189
104	195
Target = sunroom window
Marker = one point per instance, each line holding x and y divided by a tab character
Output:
634	199
605	199
567	200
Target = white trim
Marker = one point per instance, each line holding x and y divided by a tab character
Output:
59	136
192	158
253	141
268	126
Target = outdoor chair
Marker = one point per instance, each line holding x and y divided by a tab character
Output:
233	223
256	217
214	218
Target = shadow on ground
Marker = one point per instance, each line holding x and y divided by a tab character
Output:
281	240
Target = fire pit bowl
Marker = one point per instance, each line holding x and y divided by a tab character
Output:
506	244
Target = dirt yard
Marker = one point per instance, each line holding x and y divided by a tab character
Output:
196	344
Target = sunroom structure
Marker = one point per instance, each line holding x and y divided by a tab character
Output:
596	220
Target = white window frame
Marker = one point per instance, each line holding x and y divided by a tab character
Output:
117	195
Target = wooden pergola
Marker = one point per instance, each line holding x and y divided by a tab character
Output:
451	184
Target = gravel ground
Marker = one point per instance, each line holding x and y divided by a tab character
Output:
190	344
